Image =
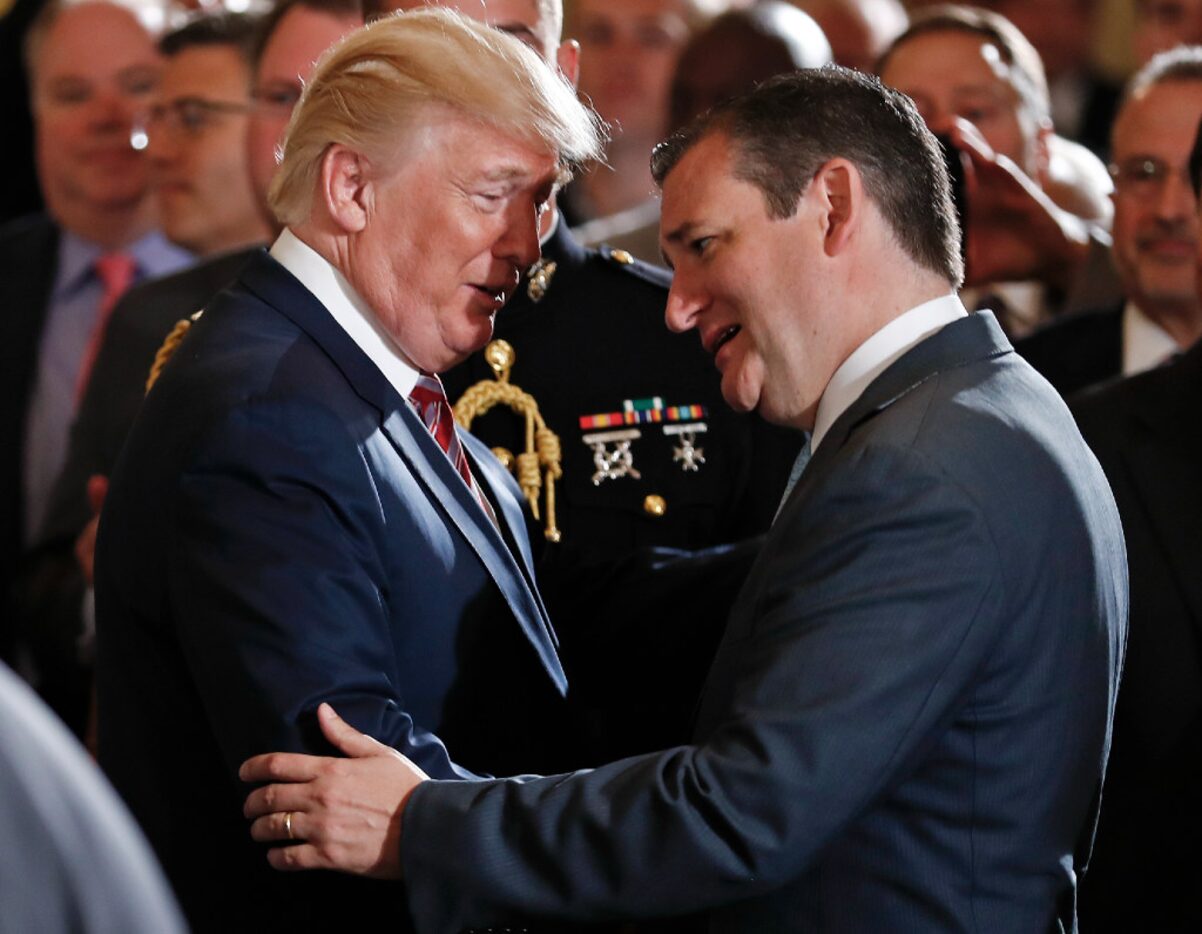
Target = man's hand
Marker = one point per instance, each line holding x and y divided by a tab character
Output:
1015	231
347	812
85	544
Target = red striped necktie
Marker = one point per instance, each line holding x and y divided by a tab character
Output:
430	401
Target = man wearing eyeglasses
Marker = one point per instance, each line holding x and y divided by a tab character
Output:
1155	237
93	68
57	585
196	136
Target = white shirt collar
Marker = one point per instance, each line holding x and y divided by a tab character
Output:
345	306
872	357
1145	343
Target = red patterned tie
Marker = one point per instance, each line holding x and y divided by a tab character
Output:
115	272
432	407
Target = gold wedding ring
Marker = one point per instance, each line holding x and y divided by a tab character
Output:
288	825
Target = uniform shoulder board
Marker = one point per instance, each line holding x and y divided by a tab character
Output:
621	259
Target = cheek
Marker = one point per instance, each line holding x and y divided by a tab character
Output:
262	139
658	65
56	130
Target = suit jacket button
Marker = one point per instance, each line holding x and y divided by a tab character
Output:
655	505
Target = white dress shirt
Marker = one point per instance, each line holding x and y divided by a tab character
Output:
1145	343
872	357
346	307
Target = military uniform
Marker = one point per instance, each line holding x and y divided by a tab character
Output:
651	456
593	350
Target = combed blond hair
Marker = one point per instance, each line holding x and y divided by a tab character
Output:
370	88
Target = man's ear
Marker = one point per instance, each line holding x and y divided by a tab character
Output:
568	59
839	188
344	187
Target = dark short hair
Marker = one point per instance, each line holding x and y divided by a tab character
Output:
785	130
338	9
240	30
1017	52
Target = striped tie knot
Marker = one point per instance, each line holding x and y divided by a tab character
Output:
430	401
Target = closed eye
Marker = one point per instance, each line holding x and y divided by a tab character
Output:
489	200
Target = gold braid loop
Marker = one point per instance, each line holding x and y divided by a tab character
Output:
548	451
530	478
168	348
542	444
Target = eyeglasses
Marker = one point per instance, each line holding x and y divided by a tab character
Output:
192	115
1144	178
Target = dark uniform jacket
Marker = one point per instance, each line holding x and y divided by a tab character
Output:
638	623
596	344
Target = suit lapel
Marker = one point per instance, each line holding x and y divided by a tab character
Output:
421	453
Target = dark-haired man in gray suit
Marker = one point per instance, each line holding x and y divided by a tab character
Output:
906	726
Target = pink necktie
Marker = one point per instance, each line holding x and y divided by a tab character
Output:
116	272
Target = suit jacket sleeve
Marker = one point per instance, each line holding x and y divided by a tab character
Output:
864	622
279	594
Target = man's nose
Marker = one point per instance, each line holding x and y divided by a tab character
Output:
110	110
519	245
162	143
684	304
1175	199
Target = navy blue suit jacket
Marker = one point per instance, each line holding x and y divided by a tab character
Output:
906	724
282	530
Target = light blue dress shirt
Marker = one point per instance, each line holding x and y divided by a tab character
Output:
71	312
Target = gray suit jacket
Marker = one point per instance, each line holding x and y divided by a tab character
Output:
906	725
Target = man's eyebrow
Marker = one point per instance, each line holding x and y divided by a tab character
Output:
504	174
681	232
676	236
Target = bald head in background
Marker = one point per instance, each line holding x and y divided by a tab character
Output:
859	31
738	50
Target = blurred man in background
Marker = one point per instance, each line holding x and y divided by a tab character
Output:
1031	211
56	593
1155	238
61	273
628	51
196	134
859	31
